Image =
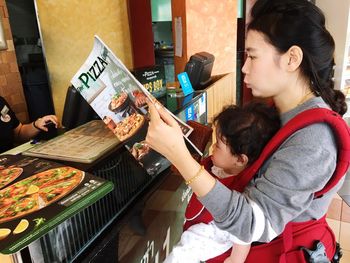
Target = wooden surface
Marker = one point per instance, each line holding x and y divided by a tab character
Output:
221	93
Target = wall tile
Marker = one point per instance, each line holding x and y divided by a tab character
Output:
344	238
11	56
10	81
345	215
346	256
13	78
4	68
10	45
5	12
3	81
335	226
334	210
14	67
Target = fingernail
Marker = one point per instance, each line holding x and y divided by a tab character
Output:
157	105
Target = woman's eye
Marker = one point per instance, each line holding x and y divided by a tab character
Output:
251	57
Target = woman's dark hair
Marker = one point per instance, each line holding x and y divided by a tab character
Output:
247	129
285	23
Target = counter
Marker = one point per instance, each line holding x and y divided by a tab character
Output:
139	221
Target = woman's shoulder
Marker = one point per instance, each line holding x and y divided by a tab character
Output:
316	102
318	133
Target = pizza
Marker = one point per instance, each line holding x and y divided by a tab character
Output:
8	175
118	100
37	191
128	126
139	150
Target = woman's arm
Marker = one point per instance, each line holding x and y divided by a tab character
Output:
24	132
162	127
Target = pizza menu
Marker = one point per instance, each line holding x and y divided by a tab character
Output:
36	195
120	100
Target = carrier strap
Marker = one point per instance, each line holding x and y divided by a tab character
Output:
305	118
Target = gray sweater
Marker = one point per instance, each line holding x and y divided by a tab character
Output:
283	189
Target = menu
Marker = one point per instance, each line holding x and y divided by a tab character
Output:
36	195
83	144
120	100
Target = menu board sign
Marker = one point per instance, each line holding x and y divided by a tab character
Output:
152	78
36	195
120	100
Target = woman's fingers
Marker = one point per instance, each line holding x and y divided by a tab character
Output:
158	112
154	115
166	117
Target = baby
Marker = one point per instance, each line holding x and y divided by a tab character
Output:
241	135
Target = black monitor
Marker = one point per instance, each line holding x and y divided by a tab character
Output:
199	69
76	110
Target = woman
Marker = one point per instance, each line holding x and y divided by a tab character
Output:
290	59
12	130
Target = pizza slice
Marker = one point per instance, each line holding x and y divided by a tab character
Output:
8	175
53	176
54	192
23	206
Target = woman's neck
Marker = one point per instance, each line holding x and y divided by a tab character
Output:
292	98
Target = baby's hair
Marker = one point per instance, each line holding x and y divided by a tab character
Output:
247	129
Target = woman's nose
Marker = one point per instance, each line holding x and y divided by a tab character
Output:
245	67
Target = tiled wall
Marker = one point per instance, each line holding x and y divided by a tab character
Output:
338	217
10	79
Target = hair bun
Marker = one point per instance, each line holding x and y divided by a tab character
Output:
264	7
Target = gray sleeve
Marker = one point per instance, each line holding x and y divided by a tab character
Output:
282	191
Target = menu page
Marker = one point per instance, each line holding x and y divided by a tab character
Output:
83	144
120	100
36	195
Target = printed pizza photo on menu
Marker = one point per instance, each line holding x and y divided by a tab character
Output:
129	126
119	101
139	150
37	192
8	175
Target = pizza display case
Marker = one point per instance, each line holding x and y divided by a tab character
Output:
139	221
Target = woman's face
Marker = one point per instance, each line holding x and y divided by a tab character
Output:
262	68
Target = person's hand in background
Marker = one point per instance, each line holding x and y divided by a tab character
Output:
41	123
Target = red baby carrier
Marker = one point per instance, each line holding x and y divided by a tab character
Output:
287	246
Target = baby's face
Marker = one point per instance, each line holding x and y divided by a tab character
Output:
222	156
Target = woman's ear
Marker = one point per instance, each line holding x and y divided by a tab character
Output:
294	57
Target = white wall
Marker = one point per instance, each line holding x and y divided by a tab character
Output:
337	22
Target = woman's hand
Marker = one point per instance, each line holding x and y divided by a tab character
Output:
164	134
43	121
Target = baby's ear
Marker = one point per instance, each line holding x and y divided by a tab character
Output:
242	159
